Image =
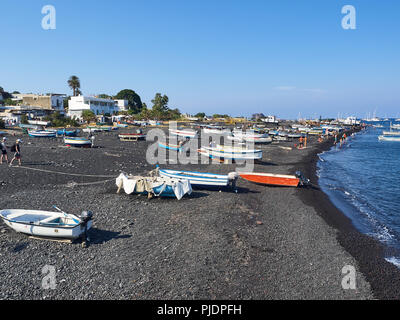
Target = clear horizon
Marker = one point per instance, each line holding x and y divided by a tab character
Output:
228	57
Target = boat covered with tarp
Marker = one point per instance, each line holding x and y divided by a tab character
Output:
153	186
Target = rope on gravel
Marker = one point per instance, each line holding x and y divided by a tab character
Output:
74	184
66	173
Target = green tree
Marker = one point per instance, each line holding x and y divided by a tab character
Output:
160	106
200	115
88	115
75	84
104	96
24	119
134	101
5	94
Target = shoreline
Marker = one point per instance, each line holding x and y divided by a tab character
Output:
383	276
261	243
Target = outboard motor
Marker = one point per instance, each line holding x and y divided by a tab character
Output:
232	177
303	180
85	217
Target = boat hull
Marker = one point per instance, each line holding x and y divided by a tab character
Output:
183	133
47	230
78	142
170	146
388	138
197	178
42	134
271	179
131	136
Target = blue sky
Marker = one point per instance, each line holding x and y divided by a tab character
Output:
216	56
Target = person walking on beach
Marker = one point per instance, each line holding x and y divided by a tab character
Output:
3	150
17	149
301	142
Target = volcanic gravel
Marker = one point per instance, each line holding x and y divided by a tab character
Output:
257	243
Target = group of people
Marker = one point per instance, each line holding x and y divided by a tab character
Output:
16	148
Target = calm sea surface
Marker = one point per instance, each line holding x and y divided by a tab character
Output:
362	178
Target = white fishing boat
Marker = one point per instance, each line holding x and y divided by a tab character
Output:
391	133
252	136
47	223
217	131
201	178
42	134
389	138
77	142
183	133
233	153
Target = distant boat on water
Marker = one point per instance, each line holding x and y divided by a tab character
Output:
389	138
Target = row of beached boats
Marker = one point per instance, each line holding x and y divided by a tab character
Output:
159	183
177	183
242	136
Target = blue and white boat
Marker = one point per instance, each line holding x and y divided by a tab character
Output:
200	178
68	133
170	146
42	134
77	142
231	153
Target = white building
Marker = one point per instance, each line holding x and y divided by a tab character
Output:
270	119
122	105
97	105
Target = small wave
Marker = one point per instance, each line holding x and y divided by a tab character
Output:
394	260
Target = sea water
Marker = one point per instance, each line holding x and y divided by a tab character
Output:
362	179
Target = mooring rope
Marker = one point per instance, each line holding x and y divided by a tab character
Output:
74	184
66	173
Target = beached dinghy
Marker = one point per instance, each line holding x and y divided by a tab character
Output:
275	179
77	142
153	186
170	146
253	136
217	131
184	133
201	178
42	134
131	136
233	153
47	224
68	133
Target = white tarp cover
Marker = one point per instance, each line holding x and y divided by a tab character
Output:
141	184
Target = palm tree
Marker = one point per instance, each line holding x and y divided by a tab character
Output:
75	84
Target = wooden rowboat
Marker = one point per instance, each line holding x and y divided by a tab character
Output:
275	179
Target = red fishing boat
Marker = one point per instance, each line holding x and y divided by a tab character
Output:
275	179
